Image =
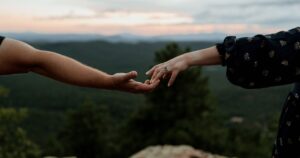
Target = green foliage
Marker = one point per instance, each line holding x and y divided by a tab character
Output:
4	92
85	133
250	140
14	142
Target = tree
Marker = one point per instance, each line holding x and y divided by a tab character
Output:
14	142
85	133
181	114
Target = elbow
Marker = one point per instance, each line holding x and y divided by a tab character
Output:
35	60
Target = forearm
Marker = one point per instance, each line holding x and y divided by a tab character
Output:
208	56
70	71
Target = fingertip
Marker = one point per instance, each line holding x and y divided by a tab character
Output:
147	82
170	84
133	74
172	79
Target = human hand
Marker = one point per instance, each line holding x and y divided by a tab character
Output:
169	69
126	82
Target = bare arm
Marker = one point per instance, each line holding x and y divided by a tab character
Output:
208	56
19	57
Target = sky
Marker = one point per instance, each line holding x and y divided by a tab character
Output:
149	17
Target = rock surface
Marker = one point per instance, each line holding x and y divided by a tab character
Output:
168	151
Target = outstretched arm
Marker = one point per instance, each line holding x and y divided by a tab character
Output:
19	57
252	62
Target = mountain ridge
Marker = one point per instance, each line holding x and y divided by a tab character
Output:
125	37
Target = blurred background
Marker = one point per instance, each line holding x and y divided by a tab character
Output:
41	117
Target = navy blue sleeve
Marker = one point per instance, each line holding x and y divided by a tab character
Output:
263	60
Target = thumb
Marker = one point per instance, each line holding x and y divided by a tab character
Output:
129	75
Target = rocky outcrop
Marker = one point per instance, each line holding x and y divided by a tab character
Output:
168	151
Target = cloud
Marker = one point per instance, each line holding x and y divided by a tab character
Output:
119	17
150	30
280	14
256	3
162	17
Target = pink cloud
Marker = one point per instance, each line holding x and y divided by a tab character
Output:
143	23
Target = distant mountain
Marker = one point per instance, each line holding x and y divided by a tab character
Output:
130	38
36	37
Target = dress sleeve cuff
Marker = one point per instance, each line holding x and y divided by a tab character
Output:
1	39
226	48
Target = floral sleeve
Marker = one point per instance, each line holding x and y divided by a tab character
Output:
263	60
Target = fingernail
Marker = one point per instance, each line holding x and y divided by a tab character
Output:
147	73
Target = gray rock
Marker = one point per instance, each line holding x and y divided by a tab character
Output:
169	151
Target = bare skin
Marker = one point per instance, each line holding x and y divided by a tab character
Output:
19	57
173	67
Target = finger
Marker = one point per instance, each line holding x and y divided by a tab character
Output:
150	72
172	78
142	88
147	82
155	84
150	87
159	75
129	75
156	71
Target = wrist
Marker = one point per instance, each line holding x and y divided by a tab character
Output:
108	82
188	59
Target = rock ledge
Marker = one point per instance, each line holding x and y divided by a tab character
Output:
169	151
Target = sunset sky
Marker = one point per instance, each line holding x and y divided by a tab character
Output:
148	17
